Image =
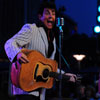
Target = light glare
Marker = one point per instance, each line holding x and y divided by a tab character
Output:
79	57
97	29
98	18
98	8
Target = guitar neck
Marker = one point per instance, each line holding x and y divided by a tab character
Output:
59	76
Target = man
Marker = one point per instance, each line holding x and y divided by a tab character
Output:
39	37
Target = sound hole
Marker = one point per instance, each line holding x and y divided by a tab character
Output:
36	71
45	73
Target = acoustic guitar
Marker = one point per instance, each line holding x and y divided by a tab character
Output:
38	73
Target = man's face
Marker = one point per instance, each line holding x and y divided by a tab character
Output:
48	17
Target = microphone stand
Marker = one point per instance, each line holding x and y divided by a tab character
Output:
60	23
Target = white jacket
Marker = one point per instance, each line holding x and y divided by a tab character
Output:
29	37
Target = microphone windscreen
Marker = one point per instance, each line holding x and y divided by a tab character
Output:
59	21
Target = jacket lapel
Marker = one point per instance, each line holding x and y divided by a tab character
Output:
44	37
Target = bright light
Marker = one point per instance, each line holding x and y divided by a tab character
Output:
79	57
97	29
98	18
98	8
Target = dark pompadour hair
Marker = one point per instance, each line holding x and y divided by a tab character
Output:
46	4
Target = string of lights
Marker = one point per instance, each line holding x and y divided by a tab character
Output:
97	27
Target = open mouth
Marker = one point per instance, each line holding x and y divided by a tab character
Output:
50	22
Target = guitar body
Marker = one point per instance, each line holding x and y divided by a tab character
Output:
34	74
15	72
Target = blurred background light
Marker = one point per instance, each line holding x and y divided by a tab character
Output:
97	29
99	8
79	57
98	18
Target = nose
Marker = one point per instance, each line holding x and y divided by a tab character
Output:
50	16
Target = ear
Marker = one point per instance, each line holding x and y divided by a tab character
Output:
39	16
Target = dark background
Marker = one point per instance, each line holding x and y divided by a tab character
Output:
15	13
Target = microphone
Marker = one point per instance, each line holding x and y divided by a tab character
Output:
60	21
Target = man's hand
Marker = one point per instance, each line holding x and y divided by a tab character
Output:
22	58
73	77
